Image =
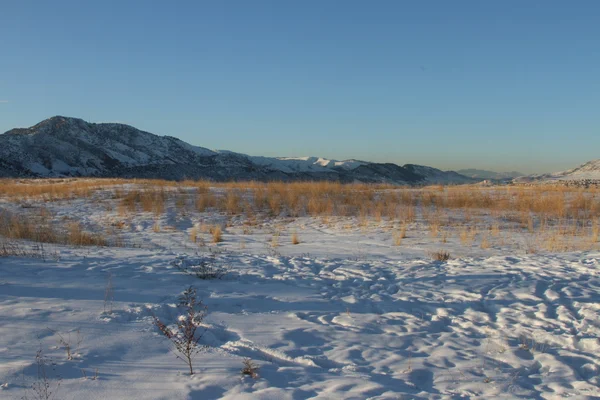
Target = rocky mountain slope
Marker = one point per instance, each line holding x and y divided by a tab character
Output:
62	146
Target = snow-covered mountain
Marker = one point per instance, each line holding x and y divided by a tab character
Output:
590	171
299	164
62	146
304	164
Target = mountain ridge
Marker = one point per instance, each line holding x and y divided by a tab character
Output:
485	174
66	146
587	170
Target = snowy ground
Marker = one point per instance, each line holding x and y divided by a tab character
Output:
344	314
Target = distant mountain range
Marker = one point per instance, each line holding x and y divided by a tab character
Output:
62	146
483	174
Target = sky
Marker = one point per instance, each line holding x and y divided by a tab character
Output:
499	85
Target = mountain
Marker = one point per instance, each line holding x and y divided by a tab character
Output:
589	171
62	146
305	164
438	176
483	174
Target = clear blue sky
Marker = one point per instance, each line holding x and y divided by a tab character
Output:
500	85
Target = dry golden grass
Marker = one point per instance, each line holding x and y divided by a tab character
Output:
120	224
205	201
194	234
122	210
444	238
540	211
316	198
399	234
464	235
495	230
554	242
217	234
53	189
232	203
38	229
205	228
434	229
78	237
485	243
530	224
295	238
275	240
397	238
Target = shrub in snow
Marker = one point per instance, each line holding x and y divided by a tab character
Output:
250	368
201	268
441	256
186	334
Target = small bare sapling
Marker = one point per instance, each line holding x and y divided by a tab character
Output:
185	337
47	380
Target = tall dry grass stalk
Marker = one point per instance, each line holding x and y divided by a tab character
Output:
194	234
397	238
295	238
275	239
434	229
217	234
485	243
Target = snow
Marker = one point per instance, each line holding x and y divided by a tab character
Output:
117	155
299	164
304	164
39	169
61	167
323	162
342	315
589	170
201	151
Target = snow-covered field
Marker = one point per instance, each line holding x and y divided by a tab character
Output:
344	314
